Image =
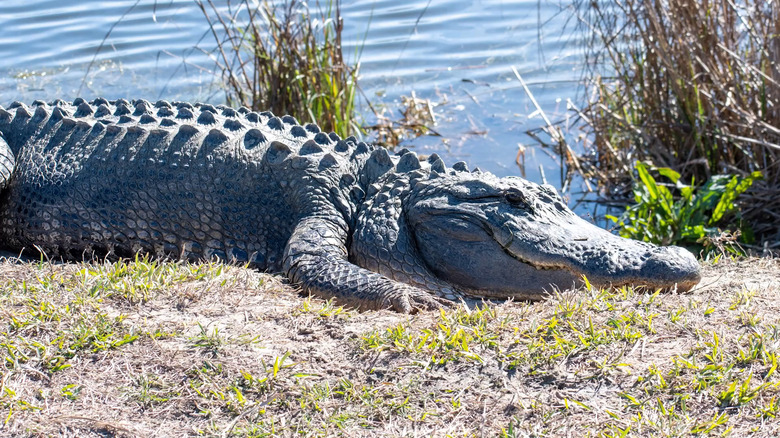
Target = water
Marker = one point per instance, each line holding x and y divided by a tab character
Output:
458	53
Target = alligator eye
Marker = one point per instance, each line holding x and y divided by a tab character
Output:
516	198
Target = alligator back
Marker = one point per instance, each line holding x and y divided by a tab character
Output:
175	180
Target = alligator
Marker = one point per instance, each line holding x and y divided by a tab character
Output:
341	218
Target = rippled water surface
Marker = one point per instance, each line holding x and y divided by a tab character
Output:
457	53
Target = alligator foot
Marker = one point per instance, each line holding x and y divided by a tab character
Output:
408	299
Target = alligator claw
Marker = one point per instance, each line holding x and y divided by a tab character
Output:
412	300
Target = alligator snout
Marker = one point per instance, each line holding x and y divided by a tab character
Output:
669	266
647	266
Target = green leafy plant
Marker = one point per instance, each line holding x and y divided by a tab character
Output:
694	218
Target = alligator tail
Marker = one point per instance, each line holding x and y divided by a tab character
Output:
7	162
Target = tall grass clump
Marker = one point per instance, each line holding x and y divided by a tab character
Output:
692	86
285	57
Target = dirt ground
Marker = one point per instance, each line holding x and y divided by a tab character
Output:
147	349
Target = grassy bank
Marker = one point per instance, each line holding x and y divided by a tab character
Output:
690	86
213	350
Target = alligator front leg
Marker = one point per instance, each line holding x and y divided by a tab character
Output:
316	258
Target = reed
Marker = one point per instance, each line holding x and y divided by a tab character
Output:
689	85
285	57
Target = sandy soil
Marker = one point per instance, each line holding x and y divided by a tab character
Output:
148	349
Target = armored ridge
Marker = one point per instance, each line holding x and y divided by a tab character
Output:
339	217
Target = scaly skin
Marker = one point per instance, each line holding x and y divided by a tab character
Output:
339	217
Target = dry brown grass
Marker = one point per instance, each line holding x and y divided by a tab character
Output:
416	118
215	350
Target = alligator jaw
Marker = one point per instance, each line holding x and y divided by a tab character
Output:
605	259
666	268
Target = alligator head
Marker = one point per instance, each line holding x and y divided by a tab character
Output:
507	237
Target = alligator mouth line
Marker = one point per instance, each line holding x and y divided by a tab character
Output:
538	267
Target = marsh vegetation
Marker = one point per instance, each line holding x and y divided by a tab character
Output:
287	58
693	87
